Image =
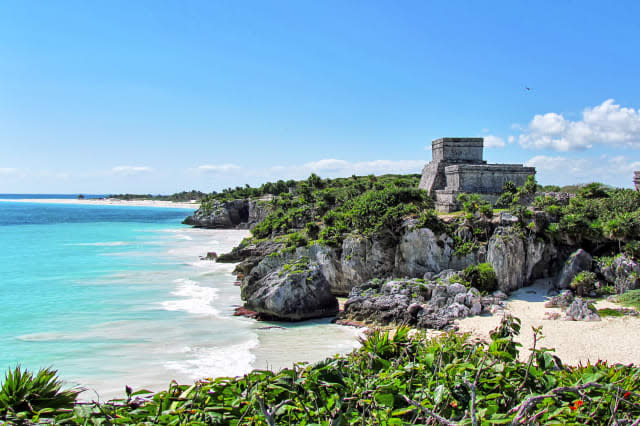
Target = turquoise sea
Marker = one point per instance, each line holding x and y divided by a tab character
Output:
114	295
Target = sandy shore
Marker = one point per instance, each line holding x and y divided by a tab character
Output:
616	340
108	202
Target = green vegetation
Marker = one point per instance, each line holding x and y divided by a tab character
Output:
472	204
393	380
608	312
481	276
597	215
25	396
631	299
584	282
326	210
183	196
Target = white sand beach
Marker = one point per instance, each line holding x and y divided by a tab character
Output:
614	339
109	202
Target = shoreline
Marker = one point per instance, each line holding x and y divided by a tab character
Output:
107	202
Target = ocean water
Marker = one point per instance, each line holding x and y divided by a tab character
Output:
48	196
113	296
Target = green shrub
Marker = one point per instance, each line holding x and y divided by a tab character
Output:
429	219
481	276
395	379
472	203
584	282
606	290
296	239
312	229
22	394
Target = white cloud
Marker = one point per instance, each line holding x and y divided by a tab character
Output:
329	164
511	139
605	124
491	141
616	170
130	170
216	168
8	171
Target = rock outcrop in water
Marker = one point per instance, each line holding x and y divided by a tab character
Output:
292	292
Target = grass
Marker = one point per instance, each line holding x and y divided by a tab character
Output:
608	312
631	299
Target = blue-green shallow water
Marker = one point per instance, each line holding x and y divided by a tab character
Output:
113	295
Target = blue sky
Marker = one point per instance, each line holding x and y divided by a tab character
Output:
159	97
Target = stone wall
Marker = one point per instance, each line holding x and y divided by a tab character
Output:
636	180
457	150
457	166
486	178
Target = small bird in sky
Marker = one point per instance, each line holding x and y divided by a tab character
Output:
528	89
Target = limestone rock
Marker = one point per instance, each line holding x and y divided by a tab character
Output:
329	263
234	214
579	261
412	302
506	254
508	219
541	258
562	300
292	295
365	258
580	310
622	272
500	295
420	251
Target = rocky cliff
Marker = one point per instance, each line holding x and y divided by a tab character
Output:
332	238
302	283
235	214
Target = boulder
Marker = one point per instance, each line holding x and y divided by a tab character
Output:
507	219
291	295
579	261
622	272
581	310
562	300
412	302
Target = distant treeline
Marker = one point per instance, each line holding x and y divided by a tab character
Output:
178	196
314	181
276	188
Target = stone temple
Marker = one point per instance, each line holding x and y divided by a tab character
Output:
457	167
636	180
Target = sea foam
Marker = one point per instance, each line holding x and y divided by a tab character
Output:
194	298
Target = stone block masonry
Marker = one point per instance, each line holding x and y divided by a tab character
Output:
457	167
636	180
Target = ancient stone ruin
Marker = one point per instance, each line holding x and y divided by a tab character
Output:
636	180
457	167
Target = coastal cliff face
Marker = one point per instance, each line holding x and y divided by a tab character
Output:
235	214
303	283
327	238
